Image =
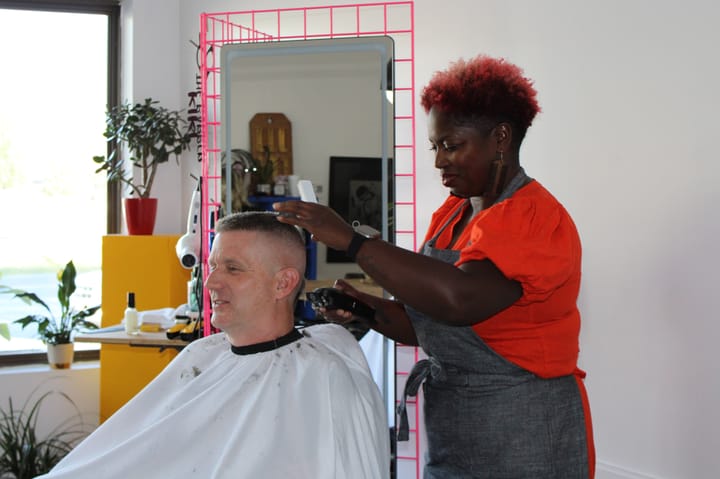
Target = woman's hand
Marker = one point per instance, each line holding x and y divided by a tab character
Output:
339	316
342	316
322	222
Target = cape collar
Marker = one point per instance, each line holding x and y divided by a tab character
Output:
288	338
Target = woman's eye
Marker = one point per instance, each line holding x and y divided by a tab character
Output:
449	147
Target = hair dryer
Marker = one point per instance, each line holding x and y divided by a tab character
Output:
188	246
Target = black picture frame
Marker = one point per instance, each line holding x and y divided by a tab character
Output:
355	193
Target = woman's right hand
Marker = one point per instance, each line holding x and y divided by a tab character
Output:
390	318
342	316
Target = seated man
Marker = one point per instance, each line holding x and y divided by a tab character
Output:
259	400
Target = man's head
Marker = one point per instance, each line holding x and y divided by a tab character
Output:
256	272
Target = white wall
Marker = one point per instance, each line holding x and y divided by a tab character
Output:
625	141
24	385
150	67
628	91
333	110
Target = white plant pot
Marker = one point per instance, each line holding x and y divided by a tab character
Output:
60	356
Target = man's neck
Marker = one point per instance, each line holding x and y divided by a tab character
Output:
259	332
265	346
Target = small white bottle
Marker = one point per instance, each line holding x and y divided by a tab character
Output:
131	315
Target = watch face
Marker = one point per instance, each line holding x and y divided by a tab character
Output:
367	231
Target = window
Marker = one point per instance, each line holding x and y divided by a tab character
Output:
59	67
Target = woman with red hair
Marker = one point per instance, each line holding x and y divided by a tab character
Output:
491	297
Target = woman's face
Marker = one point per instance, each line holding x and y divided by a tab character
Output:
463	154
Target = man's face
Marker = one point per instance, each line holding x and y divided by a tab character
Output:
241	280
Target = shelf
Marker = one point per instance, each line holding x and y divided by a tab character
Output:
142	339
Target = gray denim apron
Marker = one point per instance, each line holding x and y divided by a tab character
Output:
484	416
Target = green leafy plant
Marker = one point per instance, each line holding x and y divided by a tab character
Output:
24	455
242	169
152	133
52	329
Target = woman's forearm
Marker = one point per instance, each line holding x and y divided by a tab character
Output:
441	290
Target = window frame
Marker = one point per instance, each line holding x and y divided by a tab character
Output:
111	8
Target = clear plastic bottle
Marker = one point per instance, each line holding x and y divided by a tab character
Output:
132	325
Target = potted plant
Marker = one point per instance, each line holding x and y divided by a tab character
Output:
265	174
151	134
26	454
57	332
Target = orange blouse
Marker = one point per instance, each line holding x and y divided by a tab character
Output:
531	238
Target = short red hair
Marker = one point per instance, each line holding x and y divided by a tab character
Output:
483	87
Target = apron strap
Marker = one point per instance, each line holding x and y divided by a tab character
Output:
431	242
518	181
420	371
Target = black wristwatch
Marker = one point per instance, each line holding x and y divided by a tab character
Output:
362	234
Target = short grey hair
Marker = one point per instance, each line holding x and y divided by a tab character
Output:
262	221
266	222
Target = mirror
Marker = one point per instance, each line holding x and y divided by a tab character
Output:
333	92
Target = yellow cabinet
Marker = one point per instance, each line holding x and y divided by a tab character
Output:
148	266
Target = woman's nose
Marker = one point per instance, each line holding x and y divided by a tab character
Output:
440	159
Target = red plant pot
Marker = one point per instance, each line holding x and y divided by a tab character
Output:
140	215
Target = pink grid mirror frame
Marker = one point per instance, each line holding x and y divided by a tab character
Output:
394	19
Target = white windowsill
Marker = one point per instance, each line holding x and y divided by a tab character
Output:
43	368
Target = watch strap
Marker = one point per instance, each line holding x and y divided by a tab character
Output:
355	244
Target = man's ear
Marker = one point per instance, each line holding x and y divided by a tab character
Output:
286	280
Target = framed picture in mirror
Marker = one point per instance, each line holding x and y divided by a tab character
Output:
356	194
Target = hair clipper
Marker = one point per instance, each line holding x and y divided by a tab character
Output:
331	298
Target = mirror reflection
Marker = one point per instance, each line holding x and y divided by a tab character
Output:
289	107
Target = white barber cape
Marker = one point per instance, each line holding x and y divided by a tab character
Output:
308	409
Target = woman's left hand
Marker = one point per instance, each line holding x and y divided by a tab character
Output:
322	222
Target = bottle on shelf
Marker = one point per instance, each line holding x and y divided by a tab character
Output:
132	325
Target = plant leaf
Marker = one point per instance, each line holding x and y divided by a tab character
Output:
66	288
30	298
5	331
